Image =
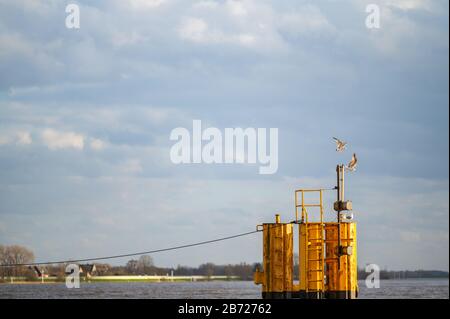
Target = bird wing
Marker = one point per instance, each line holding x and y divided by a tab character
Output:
340	142
353	161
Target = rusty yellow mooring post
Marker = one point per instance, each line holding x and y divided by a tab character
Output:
276	279
341	265
327	251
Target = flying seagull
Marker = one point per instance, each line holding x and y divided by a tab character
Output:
340	145
352	165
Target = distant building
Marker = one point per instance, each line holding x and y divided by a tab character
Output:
87	269
39	272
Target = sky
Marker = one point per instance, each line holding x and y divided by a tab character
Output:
86	115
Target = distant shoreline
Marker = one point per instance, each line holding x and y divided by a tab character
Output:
125	279
166	280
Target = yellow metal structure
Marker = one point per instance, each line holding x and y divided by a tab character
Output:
327	252
276	278
341	263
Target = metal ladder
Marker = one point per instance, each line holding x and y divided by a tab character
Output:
314	232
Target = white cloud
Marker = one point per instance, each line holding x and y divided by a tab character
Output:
251	23
401	33
198	31
132	166
207	4
246	39
306	20
97	144
19	138
35	7
24	138
123	38
14	44
49	89
236	8
59	140
411	4
4	140
212	23
195	29
146	4
404	5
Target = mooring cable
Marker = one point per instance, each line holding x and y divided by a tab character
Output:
132	254
139	253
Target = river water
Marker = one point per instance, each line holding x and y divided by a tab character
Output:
399	289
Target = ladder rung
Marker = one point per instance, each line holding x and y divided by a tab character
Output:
316	270
309	205
315	259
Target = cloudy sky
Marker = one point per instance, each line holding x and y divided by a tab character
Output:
86	115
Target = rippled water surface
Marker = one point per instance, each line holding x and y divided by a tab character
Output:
421	288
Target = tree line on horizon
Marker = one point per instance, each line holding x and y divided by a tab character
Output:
15	254
144	265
